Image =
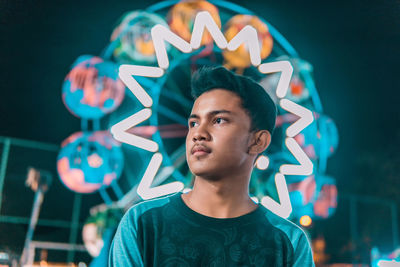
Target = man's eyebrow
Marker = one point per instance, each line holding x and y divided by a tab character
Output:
211	113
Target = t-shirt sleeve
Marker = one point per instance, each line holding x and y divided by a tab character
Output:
124	250
302	253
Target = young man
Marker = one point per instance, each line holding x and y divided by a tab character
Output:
215	224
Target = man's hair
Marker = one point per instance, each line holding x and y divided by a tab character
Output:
255	100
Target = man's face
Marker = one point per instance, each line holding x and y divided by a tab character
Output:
218	137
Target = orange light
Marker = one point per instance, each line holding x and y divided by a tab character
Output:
305	220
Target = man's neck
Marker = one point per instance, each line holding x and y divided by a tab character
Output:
220	199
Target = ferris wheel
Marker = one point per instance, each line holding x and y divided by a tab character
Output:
152	53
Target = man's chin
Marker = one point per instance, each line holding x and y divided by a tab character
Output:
206	175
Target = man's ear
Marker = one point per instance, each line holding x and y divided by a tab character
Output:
260	141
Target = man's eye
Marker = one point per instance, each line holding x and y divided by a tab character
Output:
219	120
191	124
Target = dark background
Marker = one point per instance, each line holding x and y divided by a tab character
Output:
352	45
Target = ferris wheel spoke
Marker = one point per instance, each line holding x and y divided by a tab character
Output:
172	115
178	98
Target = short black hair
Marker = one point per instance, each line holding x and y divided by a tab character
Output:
255	100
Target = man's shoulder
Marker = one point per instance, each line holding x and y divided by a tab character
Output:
137	210
128	243
295	234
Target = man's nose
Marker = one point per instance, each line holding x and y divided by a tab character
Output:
201	133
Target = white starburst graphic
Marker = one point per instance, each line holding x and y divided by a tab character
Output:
248	37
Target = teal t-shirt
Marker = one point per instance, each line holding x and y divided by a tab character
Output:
165	232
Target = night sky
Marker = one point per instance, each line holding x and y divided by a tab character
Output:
352	45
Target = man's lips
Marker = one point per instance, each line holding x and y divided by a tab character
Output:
199	149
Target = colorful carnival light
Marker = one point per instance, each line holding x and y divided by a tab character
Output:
239	58
314	196
326	201
182	15
132	39
92	88
303	192
305	220
89	161
298	90
379	259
